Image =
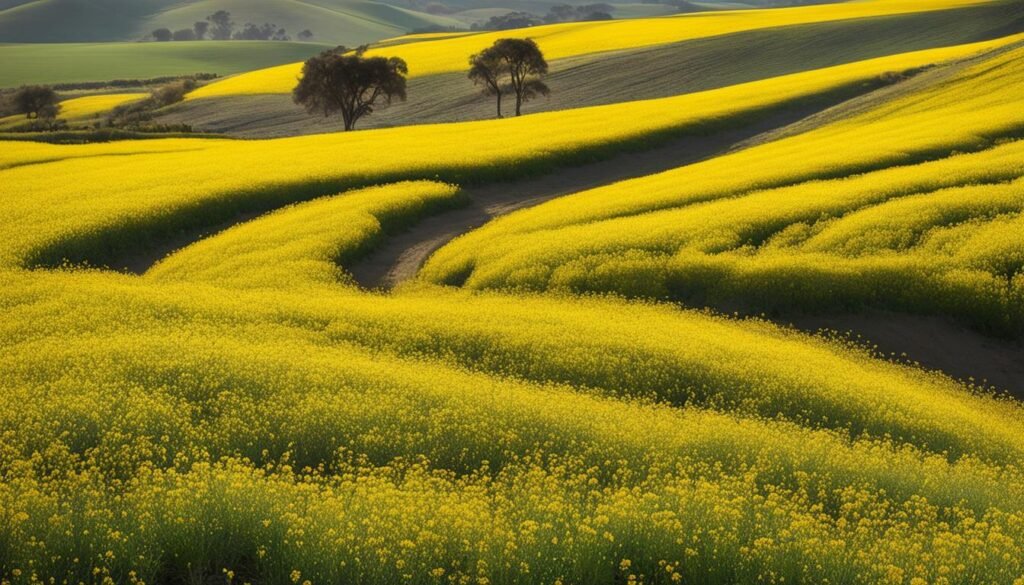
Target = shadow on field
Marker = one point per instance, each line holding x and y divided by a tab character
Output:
933	342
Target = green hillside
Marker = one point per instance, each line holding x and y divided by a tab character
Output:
625	9
348	22
73	62
332	21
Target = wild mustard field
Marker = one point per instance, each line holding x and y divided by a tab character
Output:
560	41
242	413
159	187
913	205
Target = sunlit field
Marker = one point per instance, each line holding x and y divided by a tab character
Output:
893	207
197	388
572	39
82	108
174	183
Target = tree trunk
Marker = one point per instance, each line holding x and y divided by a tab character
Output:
519	103
499	103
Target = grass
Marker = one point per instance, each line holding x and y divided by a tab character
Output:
561	41
73	62
334	22
894	218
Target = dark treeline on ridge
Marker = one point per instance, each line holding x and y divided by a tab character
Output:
220	27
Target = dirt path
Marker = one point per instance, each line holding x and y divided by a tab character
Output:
933	342
401	255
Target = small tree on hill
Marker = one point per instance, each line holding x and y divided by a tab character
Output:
200	29
349	83
526	65
487	69
162	34
520	61
305	35
221	25
36	101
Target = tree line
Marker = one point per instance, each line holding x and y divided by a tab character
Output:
220	27
353	85
556	14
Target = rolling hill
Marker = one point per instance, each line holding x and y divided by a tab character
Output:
561	41
82	62
243	409
628	74
349	22
199	387
907	215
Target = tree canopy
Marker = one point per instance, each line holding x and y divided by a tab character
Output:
221	24
513	66
36	101
346	82
487	69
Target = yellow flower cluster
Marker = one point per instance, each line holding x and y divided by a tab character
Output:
306	242
89	106
181	429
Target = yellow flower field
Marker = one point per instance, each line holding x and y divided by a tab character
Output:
88	106
243	412
82	108
572	39
925	227
168	183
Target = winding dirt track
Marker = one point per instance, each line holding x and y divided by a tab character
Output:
934	342
401	255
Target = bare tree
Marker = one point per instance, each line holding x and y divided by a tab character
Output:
518	60
339	81
487	68
36	101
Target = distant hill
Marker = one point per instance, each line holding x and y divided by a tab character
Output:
624	7
349	22
590	79
80	62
